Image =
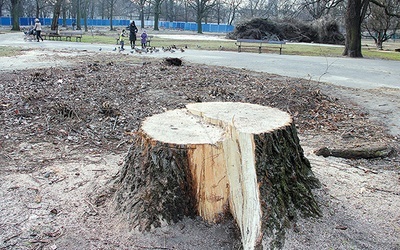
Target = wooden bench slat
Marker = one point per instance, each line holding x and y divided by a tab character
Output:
54	35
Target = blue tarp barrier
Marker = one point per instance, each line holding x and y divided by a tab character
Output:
27	21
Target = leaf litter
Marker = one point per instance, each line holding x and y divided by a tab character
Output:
66	129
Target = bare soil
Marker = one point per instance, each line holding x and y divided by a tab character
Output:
66	130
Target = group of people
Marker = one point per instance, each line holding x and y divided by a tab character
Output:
133	30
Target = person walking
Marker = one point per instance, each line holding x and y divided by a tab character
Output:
144	39
132	34
38	29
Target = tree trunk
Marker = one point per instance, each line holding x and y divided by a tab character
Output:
199	26
214	160
15	14
142	3
56	15
353	29
64	14
111	13
354	17
157	12
79	15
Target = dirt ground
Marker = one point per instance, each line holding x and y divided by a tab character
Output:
65	132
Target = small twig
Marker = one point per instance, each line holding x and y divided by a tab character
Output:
384	190
57	234
366	170
146	247
39	241
11	237
58	180
94	210
35	179
115	123
120	144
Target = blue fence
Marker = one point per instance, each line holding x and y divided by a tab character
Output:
221	28
27	21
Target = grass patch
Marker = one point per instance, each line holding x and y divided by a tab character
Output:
288	49
10	51
101	39
381	54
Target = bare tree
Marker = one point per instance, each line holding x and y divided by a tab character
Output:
110	6
15	13
286	9
272	9
56	15
2	2
202	8
255	8
86	5
170	10
64	13
380	25
318	8
37	8
142	3
157	12
355	14
79	14
234	6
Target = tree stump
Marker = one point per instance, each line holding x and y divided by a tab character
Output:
217	159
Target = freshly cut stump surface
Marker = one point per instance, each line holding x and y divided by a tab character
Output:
215	159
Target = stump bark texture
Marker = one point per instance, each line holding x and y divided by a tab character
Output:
217	159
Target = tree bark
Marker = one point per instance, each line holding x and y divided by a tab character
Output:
15	14
355	13
215	160
56	15
157	12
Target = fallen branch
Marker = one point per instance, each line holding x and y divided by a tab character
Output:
11	237
360	152
384	190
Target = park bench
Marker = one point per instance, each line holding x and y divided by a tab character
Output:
148	42
241	43
50	35
77	34
55	35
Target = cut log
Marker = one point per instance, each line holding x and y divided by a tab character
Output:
218	159
358	152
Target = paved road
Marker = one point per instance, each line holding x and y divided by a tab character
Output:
349	72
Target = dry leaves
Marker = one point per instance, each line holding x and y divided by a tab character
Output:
99	104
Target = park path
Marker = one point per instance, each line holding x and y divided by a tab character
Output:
361	73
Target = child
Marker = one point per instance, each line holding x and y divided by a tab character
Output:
121	39
144	39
